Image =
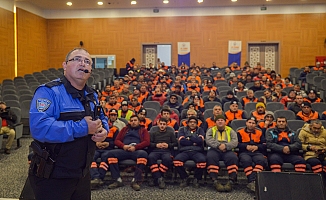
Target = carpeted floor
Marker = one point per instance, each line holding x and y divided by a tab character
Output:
14	173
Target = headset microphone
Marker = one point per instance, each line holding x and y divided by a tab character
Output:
86	71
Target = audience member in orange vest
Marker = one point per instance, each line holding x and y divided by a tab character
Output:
312	97
249	98
234	67
178	91
212	96
113	119
278	92
134	105
268	121
307	114
287	82
116	86
136	94
166	114
130	64
192	113
144	92
234	113
209	86
218	76
193	85
210	122
260	111
197	102
257	86
288	99
111	103
106	92
259	67
143	120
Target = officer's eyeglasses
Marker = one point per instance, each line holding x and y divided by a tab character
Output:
80	60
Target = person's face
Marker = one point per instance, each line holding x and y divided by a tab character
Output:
107	89
173	99
193	93
261	110
3	107
234	107
166	115
312	95
292	94
278	78
250	94
240	85
124	108
126	88
217	110
278	89
219	75
136	92
230	96
143	89
134	122
269	118
142	116
257	84
212	94
196	100
296	88
116	83
281	123
251	124
135	83
177	90
162	125
115	93
191	114
315	128
267	94
209	84
192	124
220	123
134	102
77	62
112	100
306	109
113	117
299	99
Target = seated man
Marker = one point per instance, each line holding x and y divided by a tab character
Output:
173	115
284	145
210	122
234	113
296	106
162	144
306	114
212	96
112	103
268	122
313	138
312	97
221	139
249	98
191	140
268	97
192	113
131	141
260	111
143	120
113	119
252	146
134	105
173	103
124	112
166	114
102	150
9	118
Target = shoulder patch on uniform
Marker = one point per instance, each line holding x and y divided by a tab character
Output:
42	104
53	83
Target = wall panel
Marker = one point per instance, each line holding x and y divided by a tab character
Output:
32	43
300	41
7	49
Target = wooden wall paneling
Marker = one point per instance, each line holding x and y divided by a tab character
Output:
32	43
7	48
257	22
309	21
275	22
308	38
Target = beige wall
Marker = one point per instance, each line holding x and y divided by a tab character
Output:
7	50
32	43
43	43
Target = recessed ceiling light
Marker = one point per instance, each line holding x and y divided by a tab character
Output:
69	3
100	3
200	1
166	1
268	0
234	0
133	2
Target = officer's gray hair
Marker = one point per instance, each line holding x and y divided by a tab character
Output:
75	49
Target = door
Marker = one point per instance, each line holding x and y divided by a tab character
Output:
149	54
265	53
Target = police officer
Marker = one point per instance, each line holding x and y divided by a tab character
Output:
65	128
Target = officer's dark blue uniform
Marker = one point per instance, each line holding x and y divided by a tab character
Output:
57	123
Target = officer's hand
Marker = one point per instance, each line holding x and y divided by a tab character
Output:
93	126
100	135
